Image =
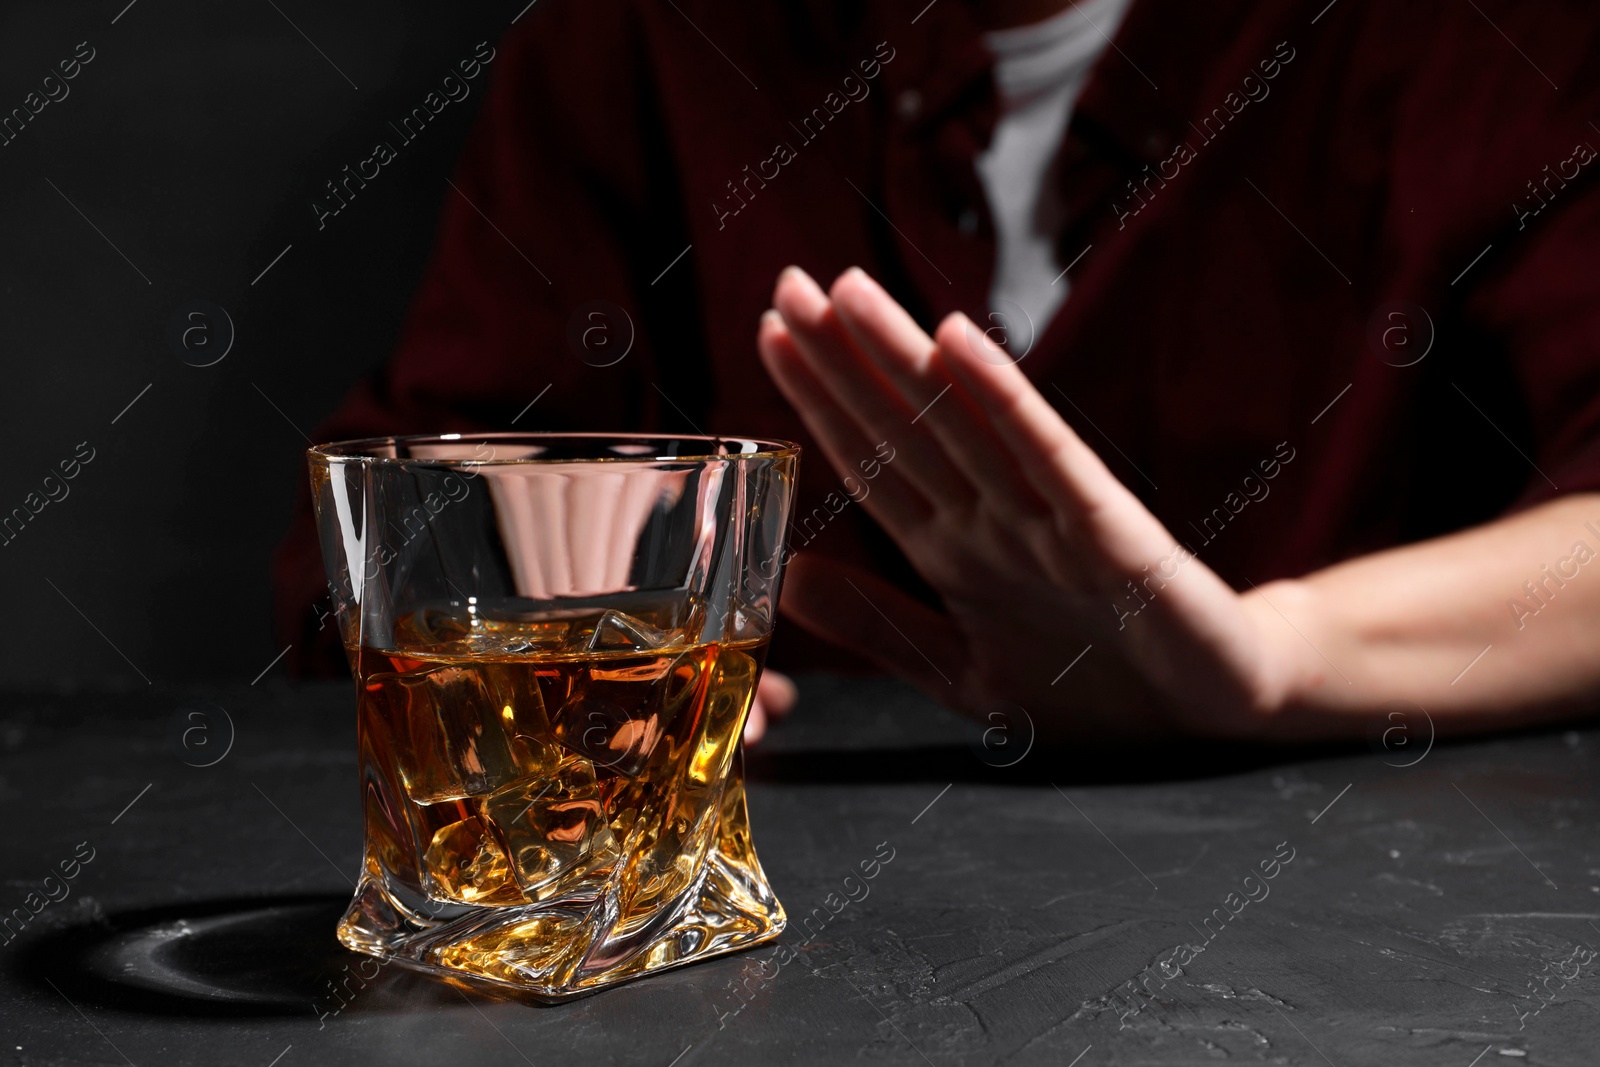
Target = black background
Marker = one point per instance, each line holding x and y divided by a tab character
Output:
196	140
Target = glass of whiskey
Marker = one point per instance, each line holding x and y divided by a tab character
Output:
555	640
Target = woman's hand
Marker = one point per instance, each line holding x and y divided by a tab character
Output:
1036	551
775	698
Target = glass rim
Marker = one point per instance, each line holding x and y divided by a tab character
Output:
368	448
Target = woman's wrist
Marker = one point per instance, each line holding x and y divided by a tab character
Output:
1293	626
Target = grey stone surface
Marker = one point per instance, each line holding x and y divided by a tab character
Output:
1445	912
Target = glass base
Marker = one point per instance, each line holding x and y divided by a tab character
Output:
563	948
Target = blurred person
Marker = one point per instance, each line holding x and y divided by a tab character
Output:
1223	370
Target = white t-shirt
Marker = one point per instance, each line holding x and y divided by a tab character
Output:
1039	71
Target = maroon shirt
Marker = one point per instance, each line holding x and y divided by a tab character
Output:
1335	284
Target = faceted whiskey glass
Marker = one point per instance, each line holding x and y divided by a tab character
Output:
555	641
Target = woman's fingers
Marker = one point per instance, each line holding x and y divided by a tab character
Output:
911	361
888	498
778	693
854	608
755	723
860	389
774	698
1044	448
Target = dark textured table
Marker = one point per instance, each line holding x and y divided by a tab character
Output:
175	863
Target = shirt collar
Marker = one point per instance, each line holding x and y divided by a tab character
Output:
940	64
1152	82
1141	95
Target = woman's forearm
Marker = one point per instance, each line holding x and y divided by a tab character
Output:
1491	627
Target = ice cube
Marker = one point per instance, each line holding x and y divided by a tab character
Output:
478	628
677	802
618	713
616	737
456	738
731	687
516	690
464	863
520	636
554	828
618	632
413	634
685	677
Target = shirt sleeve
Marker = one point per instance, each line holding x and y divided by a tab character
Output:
1545	304
1503	136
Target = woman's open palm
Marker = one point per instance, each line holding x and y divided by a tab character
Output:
1030	542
